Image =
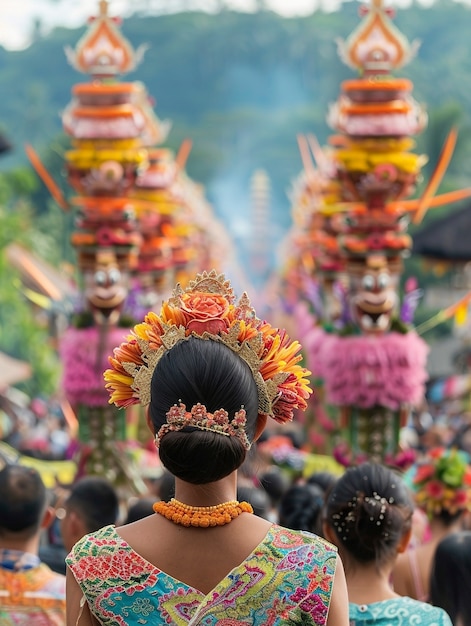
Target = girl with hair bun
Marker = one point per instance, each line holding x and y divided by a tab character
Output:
368	516
210	373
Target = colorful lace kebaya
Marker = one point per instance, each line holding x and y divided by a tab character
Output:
287	579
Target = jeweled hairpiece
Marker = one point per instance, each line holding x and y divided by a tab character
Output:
218	422
207	309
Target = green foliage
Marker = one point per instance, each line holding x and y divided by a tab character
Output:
23	332
241	86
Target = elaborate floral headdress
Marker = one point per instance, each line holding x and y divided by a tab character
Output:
207	309
441	481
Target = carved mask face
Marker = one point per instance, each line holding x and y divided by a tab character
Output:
373	297
106	285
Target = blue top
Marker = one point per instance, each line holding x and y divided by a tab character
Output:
400	611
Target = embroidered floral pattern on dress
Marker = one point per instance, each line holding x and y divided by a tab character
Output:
287	579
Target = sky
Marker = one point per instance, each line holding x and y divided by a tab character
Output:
17	17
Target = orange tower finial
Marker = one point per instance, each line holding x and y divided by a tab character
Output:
103	52
376	46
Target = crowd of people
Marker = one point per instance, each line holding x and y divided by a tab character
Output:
225	536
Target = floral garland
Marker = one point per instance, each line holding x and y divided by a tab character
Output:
207	309
201	516
441	481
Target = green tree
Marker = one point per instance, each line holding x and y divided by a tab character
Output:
23	334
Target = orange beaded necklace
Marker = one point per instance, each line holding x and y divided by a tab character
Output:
201	516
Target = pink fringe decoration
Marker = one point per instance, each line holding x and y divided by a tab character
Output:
83	367
366	371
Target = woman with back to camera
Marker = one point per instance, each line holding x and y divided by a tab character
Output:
210	373
368	516
450	580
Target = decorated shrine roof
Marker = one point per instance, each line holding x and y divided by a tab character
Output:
446	238
103	51
376	46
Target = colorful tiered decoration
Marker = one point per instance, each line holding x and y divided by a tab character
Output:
140	226
109	123
351	218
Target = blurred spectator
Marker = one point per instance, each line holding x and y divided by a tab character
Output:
440	482
450	580
51	548
324	480
301	507
140	508
165	489
462	438
92	504
257	497
275	483
31	592
438	435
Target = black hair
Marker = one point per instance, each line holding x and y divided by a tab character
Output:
275	483
208	372
324	480
95	499
166	486
255	496
301	507
369	509
458	439
23	500
447	518
450	578
139	509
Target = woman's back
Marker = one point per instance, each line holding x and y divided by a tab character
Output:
368	516
273	583
207	554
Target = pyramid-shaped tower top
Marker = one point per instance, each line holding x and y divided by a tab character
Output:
103	52
376	46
